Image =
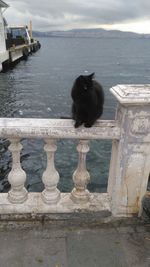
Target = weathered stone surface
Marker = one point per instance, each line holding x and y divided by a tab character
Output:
34	204
134	94
131	154
56	128
50	178
17	176
81	176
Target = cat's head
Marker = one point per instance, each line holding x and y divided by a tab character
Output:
85	81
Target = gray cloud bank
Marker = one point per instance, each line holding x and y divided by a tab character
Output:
67	14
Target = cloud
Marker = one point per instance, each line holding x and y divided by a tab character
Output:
67	14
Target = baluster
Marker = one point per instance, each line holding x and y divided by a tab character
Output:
50	194
81	176
17	176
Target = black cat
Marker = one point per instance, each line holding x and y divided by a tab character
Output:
88	100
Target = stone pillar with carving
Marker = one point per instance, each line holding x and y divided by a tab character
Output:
130	160
17	176
81	176
51	194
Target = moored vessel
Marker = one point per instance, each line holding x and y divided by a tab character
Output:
16	42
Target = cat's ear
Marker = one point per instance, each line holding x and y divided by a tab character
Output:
91	76
81	78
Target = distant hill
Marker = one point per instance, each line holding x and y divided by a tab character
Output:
93	33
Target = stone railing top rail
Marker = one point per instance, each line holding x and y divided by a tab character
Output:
56	128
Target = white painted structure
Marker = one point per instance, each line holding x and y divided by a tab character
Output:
12	47
3	52
129	166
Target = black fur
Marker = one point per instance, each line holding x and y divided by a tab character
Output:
88	100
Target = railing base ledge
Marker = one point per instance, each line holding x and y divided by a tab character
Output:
35	205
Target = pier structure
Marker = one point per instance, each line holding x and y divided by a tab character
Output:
129	166
16	42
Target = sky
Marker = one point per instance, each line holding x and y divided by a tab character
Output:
48	15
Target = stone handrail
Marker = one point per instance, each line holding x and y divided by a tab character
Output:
129	166
56	129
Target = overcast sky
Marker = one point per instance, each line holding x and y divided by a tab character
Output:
47	15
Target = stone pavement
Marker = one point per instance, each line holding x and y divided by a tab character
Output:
55	245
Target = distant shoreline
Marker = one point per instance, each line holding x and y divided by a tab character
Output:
87	37
92	33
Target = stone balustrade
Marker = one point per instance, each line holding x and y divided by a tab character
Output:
129	166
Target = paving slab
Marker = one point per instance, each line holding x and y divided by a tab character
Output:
32	248
106	248
47	246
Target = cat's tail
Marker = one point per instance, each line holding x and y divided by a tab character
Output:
65	117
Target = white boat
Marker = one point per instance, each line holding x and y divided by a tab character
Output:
4	53
16	42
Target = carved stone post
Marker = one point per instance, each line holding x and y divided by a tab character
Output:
81	176
130	161
16	177
51	194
